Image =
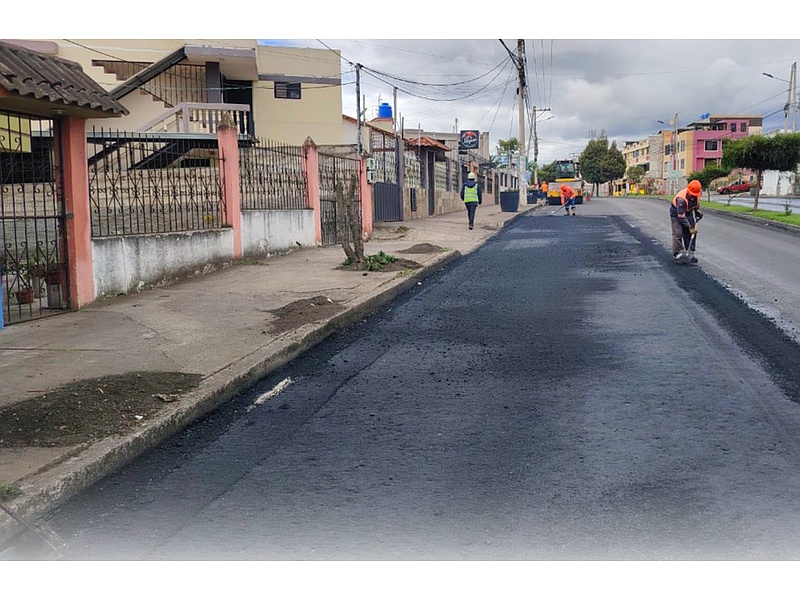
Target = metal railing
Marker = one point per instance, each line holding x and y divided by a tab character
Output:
336	174
199	117
149	183
271	177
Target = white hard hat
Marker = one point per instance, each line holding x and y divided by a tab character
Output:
471	176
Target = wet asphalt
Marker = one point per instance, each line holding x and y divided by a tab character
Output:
563	393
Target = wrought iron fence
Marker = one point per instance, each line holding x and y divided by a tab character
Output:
271	177
153	183
337	172
32	219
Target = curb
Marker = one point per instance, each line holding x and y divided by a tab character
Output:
66	479
47	490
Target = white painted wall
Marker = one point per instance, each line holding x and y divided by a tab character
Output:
125	264
777	183
268	231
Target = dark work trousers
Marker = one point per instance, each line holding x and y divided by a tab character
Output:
471	208
681	238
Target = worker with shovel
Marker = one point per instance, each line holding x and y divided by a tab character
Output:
684	213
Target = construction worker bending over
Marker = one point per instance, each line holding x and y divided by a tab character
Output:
472	195
568	199
684	213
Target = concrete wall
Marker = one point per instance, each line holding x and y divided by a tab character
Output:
268	231
124	264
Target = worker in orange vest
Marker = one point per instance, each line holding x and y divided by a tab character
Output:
684	213
543	189
568	199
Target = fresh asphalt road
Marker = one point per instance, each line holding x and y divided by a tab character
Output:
565	392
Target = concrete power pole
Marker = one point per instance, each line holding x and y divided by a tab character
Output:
536	148
522	154
358	106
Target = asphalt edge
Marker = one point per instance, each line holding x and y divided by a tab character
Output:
49	489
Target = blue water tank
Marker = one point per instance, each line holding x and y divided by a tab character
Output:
385	111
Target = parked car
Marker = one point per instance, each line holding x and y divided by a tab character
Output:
736	188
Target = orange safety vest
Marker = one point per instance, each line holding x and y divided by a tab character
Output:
690	204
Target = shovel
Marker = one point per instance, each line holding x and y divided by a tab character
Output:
685	255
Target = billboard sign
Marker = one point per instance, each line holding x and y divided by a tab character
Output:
468	140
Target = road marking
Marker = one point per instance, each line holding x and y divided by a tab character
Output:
271	393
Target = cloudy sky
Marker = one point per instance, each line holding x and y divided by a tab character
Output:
601	76
622	88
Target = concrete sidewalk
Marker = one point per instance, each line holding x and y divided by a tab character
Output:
212	325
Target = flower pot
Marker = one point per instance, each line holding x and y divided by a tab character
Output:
25	296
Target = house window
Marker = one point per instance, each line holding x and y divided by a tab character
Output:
733	126
711	145
683	145
743	127
286	90
683	164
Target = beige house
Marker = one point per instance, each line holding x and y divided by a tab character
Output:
284	94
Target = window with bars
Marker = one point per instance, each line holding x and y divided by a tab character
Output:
287	91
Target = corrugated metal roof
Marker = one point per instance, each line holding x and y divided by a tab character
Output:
55	79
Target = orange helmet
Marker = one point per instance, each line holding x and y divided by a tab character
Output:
694	188
563	188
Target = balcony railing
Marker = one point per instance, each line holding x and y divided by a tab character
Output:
200	117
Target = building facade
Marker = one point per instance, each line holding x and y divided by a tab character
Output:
284	94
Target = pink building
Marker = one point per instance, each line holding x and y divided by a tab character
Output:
701	141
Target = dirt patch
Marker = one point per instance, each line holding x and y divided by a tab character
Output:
401	264
301	312
91	409
398	264
423	249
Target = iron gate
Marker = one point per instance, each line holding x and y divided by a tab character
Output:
32	219
388	201
337	170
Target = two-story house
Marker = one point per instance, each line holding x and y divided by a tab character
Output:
284	94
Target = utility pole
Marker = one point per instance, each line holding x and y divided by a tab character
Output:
536	148
793	96
522	154
358	105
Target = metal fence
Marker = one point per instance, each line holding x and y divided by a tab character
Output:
337	172
271	177
153	183
32	219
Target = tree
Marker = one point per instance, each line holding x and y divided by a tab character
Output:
591	161
548	172
613	164
709	174
760	153
508	148
636	174
348	225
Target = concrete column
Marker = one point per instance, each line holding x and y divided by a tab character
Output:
311	171
75	169
228	144
365	193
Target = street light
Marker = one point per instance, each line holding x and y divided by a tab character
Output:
771	76
791	101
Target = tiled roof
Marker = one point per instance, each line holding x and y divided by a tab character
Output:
55	79
428	143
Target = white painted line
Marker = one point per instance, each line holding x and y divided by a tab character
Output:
271	393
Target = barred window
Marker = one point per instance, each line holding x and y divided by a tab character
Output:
286	90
